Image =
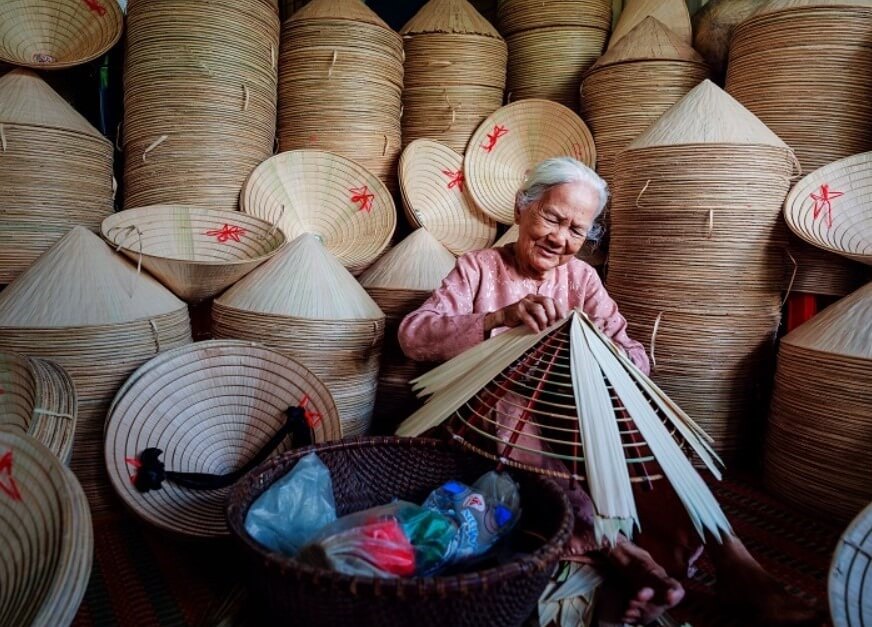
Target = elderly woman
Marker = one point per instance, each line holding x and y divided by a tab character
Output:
535	282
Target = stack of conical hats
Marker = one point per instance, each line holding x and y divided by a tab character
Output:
341	84
55	168
551	45
304	304
87	308
455	73
671	13
821	50
633	84
697	260
399	283
179	146
817	453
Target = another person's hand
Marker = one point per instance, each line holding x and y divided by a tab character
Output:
537	312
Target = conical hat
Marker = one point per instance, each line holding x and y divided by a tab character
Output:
707	115
303	281
27	100
774	6
80	281
351	10
457	17
850	574
419	262
649	40
671	13
844	328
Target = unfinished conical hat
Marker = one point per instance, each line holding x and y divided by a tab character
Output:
318	192
850	574
195	252
649	40
27	100
433	186
457	17
351	10
419	262
512	141
303	281
80	281
844	328
708	115
51	34
568	403
671	13
831	208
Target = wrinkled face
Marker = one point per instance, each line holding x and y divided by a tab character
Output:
554	229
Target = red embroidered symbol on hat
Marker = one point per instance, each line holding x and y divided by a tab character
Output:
96	7
363	197
823	203
312	417
227	233
7	481
494	136
455	179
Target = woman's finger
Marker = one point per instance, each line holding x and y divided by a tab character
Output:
530	321
538	311
550	310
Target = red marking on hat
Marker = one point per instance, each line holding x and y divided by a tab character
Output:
227	233
363	197
494	136
7	481
823	202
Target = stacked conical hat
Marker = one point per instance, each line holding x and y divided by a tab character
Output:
433	186
199	99
304	304
46	535
697	261
713	26
822	50
848	586
455	72
399	283
568	403
52	34
551	45
817	452
633	84
340	85
38	397
88	309
671	13
56	170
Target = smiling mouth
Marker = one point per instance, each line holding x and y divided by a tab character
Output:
548	253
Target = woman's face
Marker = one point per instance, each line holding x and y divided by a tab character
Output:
553	230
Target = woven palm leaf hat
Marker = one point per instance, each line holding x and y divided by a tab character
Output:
38	399
88	309
53	34
817	451
455	73
46	537
697	260
671	13
831	208
567	403
56	170
197	253
551	45
823	49
217	407
850	600
181	147
304	304
433	187
341	84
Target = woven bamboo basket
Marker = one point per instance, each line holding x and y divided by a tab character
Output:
197	253
56	170
87	308
179	147
46	535
513	140
372	471
822	50
53	34
671	13
817	452
210	408
850	602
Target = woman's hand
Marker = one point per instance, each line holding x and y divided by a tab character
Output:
537	312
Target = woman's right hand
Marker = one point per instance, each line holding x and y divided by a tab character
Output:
537	312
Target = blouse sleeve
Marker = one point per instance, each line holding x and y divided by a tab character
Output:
445	325
603	311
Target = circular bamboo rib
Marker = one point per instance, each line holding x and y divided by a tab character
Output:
54	34
195	252
210	407
311	191
514	139
433	187
849	593
515	16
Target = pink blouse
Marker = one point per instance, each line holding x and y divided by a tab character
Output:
484	281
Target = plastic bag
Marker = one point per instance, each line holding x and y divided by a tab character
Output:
294	509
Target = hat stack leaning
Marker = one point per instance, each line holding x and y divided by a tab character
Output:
671	13
179	146
697	260
802	66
